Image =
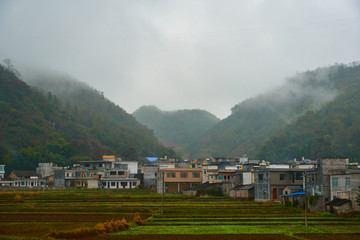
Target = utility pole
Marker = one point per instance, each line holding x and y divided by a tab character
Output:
306	200
163	191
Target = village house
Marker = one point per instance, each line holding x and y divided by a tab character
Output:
175	180
2	172
208	171
204	189
344	184
110	172
27	179
339	206
45	169
150	174
220	176
242	192
270	182
326	167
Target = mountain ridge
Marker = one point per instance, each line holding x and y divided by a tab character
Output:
176	128
38	125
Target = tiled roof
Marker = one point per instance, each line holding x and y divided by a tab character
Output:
338	202
243	187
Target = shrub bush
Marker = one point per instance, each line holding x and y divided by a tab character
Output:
137	219
17	198
111	226
125	223
100	228
108	227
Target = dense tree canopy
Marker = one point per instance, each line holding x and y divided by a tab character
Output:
49	126
176	128
314	114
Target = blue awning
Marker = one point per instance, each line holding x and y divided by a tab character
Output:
152	158
294	194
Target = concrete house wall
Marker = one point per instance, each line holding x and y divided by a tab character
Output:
326	167
346	186
262	184
150	175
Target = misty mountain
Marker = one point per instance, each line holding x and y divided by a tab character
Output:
65	121
331	131
176	128
255	120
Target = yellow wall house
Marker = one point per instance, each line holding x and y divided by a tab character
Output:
178	179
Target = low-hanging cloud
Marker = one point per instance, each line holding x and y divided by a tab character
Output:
180	54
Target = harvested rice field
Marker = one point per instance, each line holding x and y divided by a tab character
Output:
73	214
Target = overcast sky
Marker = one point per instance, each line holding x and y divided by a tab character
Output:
182	54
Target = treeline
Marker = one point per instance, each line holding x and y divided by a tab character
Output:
177	128
331	131
314	114
40	126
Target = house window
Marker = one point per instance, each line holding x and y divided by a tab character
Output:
104	184
113	184
184	175
88	175
171	175
112	173
101	165
22	183
196	175
124	184
334	182
261	177
121	173
299	176
87	164
282	176
123	166
347	181
134	184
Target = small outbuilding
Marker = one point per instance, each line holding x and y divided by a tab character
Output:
295	199
242	192
339	206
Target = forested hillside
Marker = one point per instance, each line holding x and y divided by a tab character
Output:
176	128
78	124
332	131
255	120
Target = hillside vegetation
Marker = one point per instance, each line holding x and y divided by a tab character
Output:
331	131
176	128
316	105
65	126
